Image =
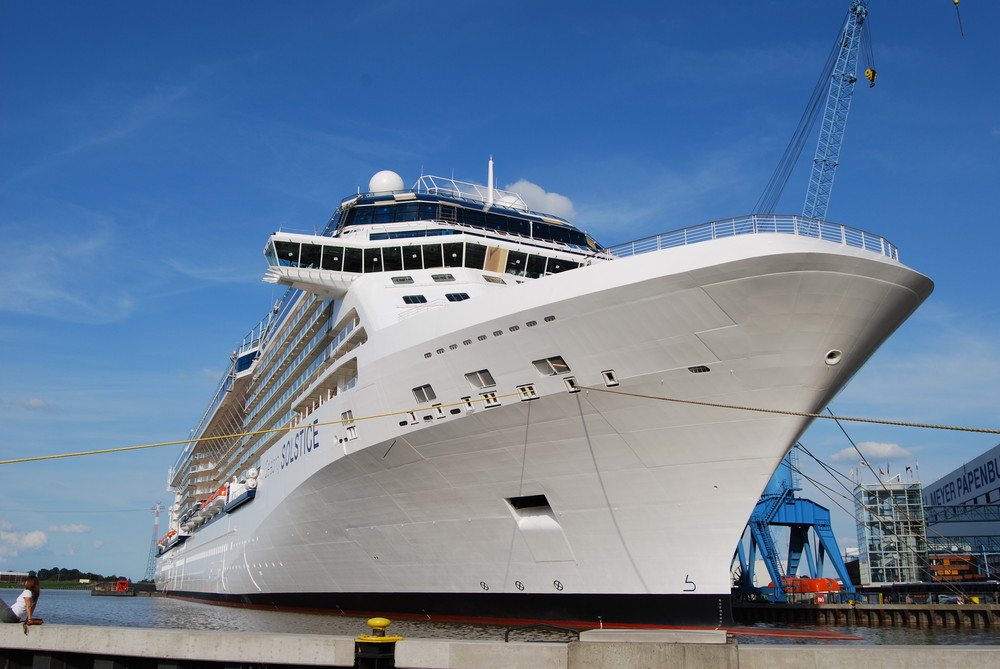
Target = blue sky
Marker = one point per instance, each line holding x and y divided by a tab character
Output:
147	150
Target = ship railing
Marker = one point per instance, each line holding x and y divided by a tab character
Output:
758	224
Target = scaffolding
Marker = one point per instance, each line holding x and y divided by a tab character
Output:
892	536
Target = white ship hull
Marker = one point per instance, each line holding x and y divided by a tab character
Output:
644	499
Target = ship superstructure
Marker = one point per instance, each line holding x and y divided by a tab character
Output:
459	409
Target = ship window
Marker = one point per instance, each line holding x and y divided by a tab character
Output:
475	256
412	258
699	369
373	260
556	265
490	400
432	256
482	337
272	259
480	379
536	266
527	393
424	394
333	258
457	297
453	255
352	260
288	253
529	502
551	366
362	216
443	277
405	212
516	262
414	299
392	259
383	214
531	324
519	226
494	279
310	256
401	280
466	342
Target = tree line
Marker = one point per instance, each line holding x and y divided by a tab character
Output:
63	574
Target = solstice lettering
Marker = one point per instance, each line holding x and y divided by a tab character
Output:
302	442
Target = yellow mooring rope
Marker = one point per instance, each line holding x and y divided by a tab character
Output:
877	421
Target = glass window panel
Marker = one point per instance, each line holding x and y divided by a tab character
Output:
432	256
496	222
453	254
363	216
519	226
536	266
557	265
373	260
333	258
475	256
352	260
269	253
516	262
383	214
473	217
310	256
405	212
288	253
412	258
428	212
541	231
392	259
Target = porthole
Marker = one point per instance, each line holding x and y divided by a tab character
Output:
833	357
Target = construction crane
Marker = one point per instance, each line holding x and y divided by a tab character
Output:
838	79
838	104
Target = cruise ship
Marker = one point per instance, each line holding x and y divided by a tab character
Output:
463	409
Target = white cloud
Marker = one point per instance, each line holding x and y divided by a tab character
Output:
33	404
538	199
873	451
97	543
78	529
12	543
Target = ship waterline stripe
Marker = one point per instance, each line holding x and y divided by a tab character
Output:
803	414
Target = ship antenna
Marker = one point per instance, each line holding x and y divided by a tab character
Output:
489	184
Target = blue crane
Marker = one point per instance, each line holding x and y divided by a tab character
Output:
837	81
838	104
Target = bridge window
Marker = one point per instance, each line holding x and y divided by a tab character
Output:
392	259
536	266
310	256
516	262
288	253
333	258
453	255
373	260
432	256
475	256
412	259
352	260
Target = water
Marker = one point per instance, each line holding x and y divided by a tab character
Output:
78	607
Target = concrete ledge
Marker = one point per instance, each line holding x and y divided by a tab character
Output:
304	649
656	636
625	649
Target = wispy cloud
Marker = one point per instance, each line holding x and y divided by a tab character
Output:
33	404
873	451
13	542
538	199
73	529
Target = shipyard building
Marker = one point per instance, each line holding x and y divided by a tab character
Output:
962	512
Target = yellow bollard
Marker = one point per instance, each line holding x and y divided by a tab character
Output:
376	650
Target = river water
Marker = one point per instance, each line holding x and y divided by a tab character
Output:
78	607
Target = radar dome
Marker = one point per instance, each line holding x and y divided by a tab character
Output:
385	181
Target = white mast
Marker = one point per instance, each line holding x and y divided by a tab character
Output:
489	184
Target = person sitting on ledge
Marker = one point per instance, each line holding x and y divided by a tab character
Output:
25	605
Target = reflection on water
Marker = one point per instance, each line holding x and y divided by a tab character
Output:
78	607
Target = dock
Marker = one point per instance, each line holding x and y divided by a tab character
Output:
973	616
85	647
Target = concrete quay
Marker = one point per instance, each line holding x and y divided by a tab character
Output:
83	647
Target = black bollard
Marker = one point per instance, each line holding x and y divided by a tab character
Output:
376	650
